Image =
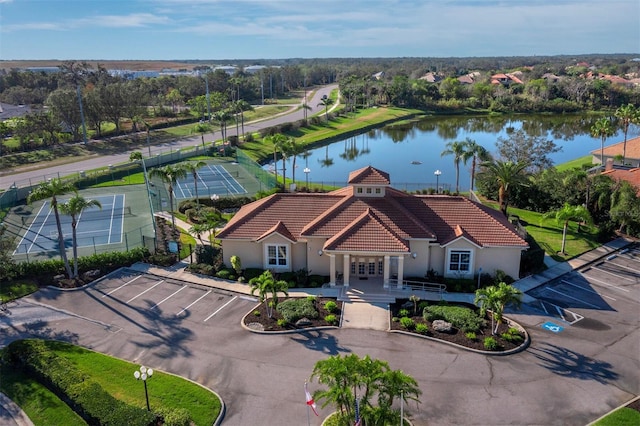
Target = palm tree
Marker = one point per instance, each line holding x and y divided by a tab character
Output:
457	149
294	149
222	116
508	175
170	174
602	129
202	128
476	153
277	140
74	208
266	284
627	114
193	167
52	189
326	102
495	298
306	108
243	106
569	213
625	204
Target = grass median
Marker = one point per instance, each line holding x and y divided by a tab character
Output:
116	377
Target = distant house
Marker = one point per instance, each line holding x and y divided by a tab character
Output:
505	79
630	175
431	77
470	78
8	111
378	75
369	230
613	152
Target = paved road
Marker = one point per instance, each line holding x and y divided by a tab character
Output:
566	378
39	174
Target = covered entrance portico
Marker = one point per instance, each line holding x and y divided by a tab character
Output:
383	267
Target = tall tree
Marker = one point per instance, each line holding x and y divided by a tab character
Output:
507	175
202	127
170	174
627	114
294	149
567	214
193	167
54	188
625	206
602	129
326	102
457	149
534	151
477	153
74	207
277	141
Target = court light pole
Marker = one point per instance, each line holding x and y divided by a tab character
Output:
143	374
306	173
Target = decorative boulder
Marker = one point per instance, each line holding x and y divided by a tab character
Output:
303	322
442	326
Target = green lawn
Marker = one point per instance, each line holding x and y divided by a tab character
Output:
621	417
577	163
116	377
548	233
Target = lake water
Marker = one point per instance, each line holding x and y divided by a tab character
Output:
411	153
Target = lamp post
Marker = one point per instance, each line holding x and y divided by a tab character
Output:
306	174
437	173
143	374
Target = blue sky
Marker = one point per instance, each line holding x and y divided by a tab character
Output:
255	29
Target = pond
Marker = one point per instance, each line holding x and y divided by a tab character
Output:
410	153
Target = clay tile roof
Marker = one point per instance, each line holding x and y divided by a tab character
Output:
364	232
369	175
633	149
281	229
632	176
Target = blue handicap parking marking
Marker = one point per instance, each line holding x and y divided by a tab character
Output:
552	327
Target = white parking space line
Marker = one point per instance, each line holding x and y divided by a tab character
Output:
574	298
627	268
118	288
586	289
149	289
221	308
194	302
607	284
615	275
168	297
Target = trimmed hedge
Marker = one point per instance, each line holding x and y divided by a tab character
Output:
294	309
105	262
84	396
460	317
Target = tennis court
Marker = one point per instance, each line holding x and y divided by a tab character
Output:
212	179
95	226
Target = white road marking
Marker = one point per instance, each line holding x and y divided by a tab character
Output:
221	307
607	284
615	275
118	288
194	302
149	289
586	289
574	298
168	297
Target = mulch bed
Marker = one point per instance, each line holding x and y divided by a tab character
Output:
456	336
264	323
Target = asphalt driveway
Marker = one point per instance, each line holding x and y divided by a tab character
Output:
566	378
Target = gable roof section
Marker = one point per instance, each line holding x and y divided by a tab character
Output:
369	175
632	176
480	224
278	228
366	231
349	222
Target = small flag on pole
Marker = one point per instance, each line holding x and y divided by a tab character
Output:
358	421
310	402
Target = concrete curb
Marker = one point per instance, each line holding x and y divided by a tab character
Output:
615	409
15	412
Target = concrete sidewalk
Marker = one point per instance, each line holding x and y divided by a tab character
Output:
11	414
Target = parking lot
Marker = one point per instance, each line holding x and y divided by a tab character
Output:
610	284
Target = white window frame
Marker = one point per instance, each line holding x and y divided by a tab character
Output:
460	251
279	257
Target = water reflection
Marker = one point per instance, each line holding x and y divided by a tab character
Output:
410	152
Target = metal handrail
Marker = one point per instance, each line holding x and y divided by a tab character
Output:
424	286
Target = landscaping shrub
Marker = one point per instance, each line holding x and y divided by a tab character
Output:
174	416
226	274
250	273
85	397
403	313
460	317
407	323
316	281
490	344
281	322
422	328
470	335
331	306
512	335
294	309
331	319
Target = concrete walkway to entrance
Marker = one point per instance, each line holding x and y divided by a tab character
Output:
371	316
